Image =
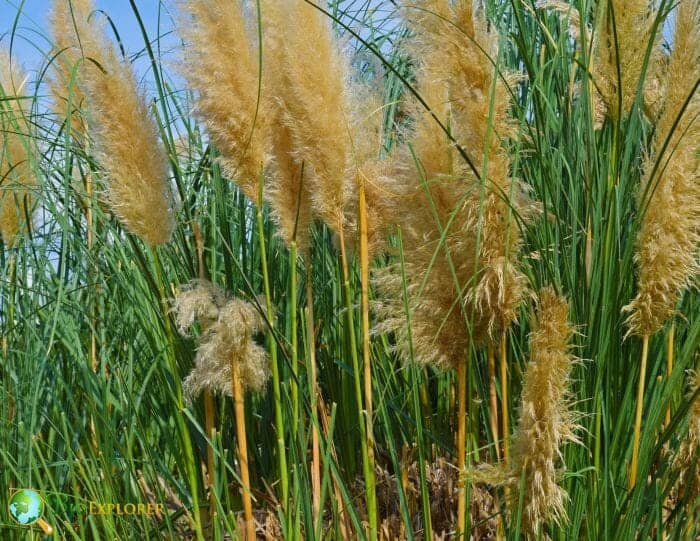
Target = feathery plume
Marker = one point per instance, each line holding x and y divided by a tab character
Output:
620	46
288	191
18	179
459	237
316	100
328	122
669	236
67	90
228	326
221	64
125	135
546	420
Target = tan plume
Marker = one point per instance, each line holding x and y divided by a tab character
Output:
666	253
18	173
124	132
221	65
546	419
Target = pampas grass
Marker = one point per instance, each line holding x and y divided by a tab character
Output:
362	139
546	419
125	135
221	65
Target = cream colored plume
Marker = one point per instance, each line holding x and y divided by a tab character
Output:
227	326
460	238
221	66
620	44
123	129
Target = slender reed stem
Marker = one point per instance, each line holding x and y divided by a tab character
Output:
493	400
504	397
461	439
370	490
239	412
294	383
638	416
272	347
669	365
364	289
315	449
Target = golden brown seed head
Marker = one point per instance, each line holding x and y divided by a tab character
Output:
316	101
124	132
546	420
18	180
460	237
667	243
221	65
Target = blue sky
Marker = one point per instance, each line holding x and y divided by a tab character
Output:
30	40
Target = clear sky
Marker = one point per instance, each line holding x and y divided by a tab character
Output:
30	41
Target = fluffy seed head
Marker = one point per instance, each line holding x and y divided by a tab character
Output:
667	243
124	132
620	45
546	420
18	180
316	101
228	327
221	65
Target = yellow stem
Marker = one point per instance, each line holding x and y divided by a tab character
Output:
364	299
669	366
638	417
239	412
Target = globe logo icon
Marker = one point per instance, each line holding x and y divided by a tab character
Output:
27	507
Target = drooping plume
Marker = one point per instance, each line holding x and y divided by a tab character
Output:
667	243
546	420
125	135
228	326
221	65
460	239
18	180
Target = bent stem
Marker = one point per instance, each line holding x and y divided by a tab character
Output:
239	413
638	416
